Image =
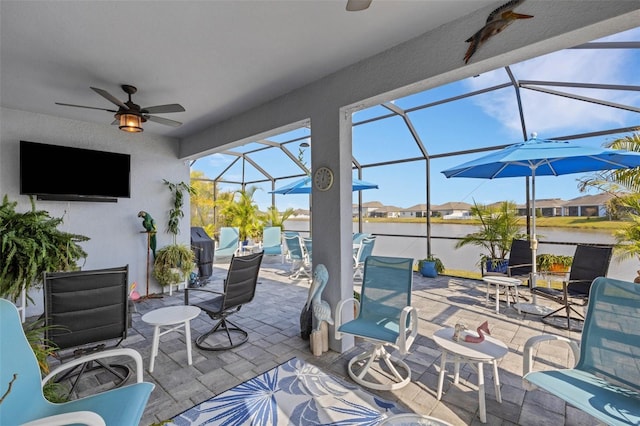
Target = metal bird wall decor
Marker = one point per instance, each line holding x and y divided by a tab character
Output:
497	21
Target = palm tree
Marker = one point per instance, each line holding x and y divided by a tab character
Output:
242	212
275	218
616	181
628	238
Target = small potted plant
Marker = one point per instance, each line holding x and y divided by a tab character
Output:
430	266
174	262
554	262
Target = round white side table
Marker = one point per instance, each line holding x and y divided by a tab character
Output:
489	351
508	284
176	316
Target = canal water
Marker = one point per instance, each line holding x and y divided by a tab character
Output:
409	240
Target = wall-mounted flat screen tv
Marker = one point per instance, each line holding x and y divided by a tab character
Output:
54	172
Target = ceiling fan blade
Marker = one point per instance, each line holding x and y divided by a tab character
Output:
162	120
108	96
357	5
82	106
159	109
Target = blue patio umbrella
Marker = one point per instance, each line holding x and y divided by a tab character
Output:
541	157
303	186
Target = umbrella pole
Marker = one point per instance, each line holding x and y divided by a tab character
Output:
533	308
533	239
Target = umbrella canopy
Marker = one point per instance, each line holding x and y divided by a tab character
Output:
540	157
303	186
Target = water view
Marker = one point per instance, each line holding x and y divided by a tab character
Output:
409	240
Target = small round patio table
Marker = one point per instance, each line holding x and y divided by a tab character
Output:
508	283
489	351
176	316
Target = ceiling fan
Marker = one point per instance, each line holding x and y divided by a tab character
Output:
130	116
357	5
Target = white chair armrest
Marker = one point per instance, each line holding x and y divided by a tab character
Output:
527	353
404	342
88	418
338	318
99	355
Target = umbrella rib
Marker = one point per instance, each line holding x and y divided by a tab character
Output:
615	163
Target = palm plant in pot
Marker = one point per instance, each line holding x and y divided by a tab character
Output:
498	228
174	262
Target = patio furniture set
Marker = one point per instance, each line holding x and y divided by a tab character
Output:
604	383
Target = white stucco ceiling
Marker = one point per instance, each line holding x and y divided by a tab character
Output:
216	58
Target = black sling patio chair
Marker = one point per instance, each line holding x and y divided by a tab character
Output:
589	263
239	289
84	312
519	263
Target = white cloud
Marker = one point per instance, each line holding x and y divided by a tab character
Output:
549	114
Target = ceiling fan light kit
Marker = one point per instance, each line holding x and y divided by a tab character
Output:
130	122
129	116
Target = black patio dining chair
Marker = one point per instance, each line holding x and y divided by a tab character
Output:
238	290
589	263
519	263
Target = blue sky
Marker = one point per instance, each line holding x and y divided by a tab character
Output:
484	120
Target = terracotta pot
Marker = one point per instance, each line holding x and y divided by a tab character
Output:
557	267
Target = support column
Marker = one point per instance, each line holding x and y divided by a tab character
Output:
331	221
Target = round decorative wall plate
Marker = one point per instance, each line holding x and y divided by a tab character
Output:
323	178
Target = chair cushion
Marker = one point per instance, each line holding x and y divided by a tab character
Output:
385	329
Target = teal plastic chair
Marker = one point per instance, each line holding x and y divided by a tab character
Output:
272	241
365	250
308	248
21	385
228	240
385	318
297	256
605	382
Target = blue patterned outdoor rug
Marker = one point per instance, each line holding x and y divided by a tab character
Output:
294	393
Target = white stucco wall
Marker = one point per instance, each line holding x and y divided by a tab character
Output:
114	228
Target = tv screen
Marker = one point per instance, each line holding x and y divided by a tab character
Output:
64	173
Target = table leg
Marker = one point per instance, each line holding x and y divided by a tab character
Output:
443	362
496	381
487	297
497	298
187	336
154	347
456	369
507	292
517	304
481	397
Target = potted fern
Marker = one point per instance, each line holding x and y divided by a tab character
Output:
174	262
31	244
